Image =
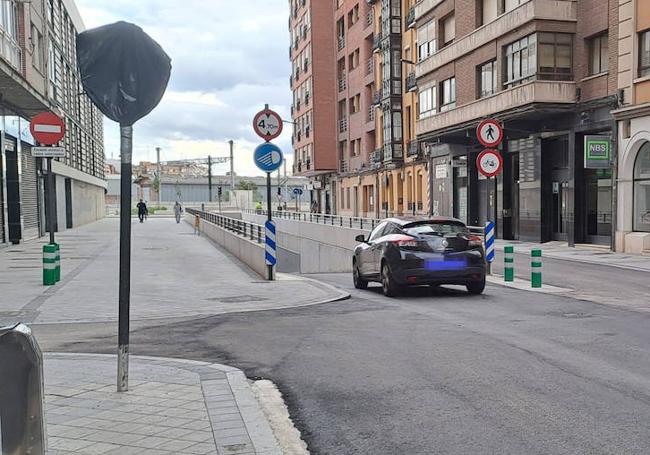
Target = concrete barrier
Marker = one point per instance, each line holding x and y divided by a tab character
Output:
322	248
249	252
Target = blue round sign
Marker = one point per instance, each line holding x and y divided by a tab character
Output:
297	191
268	157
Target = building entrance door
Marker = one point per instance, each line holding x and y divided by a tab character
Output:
598	205
560	207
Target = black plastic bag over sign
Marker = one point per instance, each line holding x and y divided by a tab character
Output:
123	70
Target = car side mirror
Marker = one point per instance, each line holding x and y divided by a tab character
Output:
360	238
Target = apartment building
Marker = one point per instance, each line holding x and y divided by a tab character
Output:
547	69
313	56
633	118
38	73
385	173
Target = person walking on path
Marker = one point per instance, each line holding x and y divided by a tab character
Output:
258	207
142	210
178	209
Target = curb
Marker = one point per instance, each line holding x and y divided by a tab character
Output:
256	424
524	285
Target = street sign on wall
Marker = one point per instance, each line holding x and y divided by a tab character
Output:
48	152
490	133
598	152
489	163
47	128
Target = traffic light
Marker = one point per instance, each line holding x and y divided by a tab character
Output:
219	190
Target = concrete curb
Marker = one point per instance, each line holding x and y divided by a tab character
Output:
524	285
256	424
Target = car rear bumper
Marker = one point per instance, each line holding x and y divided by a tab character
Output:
439	269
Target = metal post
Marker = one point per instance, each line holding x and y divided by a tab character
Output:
209	178
158	171
268	216
126	150
232	166
50	200
430	184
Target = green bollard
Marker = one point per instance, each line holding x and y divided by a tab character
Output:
536	268
49	265
57	270
509	263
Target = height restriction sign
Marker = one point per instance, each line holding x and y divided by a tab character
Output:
489	133
267	124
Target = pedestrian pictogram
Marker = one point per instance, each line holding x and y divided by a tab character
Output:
47	128
490	133
268	157
489	163
267	124
271	258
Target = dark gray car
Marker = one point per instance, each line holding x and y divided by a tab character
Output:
420	251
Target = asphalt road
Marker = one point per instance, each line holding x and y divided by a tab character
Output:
509	372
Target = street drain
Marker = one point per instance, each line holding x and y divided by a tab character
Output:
577	315
238	299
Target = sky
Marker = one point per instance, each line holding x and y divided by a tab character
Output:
229	58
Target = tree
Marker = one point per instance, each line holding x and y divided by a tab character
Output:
246	186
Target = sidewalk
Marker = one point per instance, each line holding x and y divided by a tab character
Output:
581	253
172	407
174	274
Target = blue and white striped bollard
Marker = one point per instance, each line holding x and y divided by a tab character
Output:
489	244
271	247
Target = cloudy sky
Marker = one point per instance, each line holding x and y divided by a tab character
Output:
229	58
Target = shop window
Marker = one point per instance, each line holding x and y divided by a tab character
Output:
598	54
642	190
644	53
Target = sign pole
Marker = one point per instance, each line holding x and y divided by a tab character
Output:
50	200
268	215
126	149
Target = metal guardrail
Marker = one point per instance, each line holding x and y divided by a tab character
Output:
247	230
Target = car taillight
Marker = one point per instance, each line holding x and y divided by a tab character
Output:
474	241
404	241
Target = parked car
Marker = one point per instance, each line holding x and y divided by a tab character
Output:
414	251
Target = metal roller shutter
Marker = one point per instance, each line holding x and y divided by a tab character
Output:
3	236
29	194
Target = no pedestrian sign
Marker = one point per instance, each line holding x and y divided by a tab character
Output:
267	124
490	133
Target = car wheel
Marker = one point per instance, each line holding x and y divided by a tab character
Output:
359	282
388	284
476	287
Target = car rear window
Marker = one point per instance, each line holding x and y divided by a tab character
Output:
446	227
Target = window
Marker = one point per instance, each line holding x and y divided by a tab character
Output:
598	54
426	40
355	104
448	94
354	59
511	4
448	30
374	235
644	53
642	190
521	61
37	45
555	56
489	11
427	102
487	79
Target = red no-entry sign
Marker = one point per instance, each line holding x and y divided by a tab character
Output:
47	128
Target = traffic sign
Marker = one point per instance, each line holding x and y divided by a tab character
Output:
268	157
271	258
268	124
489	133
47	128
489	241
489	163
48	152
297	191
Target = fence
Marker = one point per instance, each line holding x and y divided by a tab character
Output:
248	230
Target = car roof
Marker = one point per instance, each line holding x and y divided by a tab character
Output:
404	220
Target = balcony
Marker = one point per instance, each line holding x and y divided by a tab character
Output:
411	82
343	166
370	18
413	149
341	42
376	99
554	10
424	6
342	85
376	44
343	125
370	66
410	18
516	97
393	152
371	114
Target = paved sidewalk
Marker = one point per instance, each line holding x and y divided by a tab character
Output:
172	407
174	274
581	253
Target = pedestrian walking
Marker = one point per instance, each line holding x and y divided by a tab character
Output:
178	209
142	210
258	207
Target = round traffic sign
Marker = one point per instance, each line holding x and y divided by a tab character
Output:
267	124
47	128
489	163
297	191
489	133
268	157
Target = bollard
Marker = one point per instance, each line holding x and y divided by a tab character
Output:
49	265
57	270
536	268
509	263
